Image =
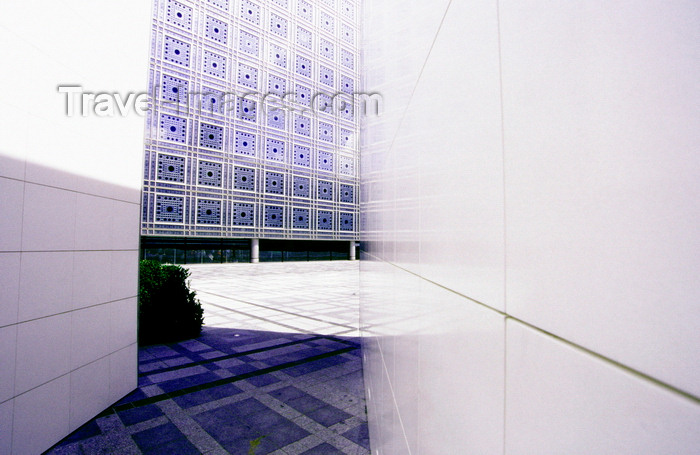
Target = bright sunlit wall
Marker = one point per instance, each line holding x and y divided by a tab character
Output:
69	216
530	226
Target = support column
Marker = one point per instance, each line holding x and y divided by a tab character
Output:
352	250
255	251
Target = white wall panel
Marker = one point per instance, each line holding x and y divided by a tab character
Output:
601	139
9	283
11	213
70	190
44	204
538	157
454	127
53	399
92	275
89	388
89	335
122	323
43	351
123	371
130	214
563	400
94	221
6	417
13	130
125	274
434	366
46	284
8	357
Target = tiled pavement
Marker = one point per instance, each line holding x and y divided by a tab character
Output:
244	391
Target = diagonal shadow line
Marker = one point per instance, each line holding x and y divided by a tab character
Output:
228	356
267	308
220	382
244	353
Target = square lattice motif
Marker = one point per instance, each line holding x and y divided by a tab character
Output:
300	218
325	220
169	209
211	136
208	211
301	186
347	222
244	178
325	190
302	156
243	214
245	143
173	128
178	14
209	173
274	183
274	216
171	168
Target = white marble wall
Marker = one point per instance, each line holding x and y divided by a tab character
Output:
530	201
69	217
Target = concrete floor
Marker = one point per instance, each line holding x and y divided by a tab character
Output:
294	297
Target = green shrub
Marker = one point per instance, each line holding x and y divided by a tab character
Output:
168	309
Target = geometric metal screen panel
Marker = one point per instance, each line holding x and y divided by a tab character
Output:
171	168
346	193
223	158
274	216
209	173
244	178
301	186
169	209
325	190
243	214
274	183
208	211
346	221
325	161
300	218
325	220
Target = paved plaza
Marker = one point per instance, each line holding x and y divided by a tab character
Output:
277	370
